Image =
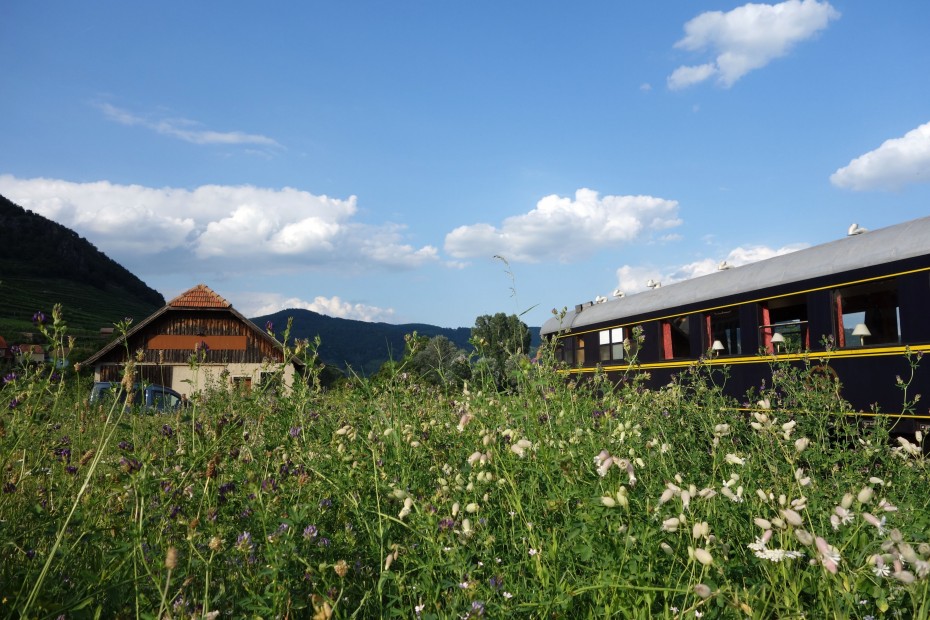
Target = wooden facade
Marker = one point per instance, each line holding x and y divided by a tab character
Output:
197	326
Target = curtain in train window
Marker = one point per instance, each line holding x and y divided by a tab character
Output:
786	316
565	350
611	344
579	351
723	326
676	338
867	314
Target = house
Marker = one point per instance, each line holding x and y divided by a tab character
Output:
4	349
197	339
31	353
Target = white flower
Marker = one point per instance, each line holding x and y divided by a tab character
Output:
508	595
608	501
800	445
703	556
521	446
882	570
533	551
865	495
733	459
873	520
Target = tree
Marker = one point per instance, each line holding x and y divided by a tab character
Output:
498	338
440	362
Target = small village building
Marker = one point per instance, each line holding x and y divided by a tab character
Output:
196	341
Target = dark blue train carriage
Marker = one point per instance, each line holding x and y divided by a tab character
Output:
860	303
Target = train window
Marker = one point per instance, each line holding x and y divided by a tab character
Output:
579	351
786	316
723	325
867	314
565	350
676	338
611	344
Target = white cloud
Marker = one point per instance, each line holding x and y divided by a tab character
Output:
262	304
217	228
185	129
897	162
565	229
747	38
632	279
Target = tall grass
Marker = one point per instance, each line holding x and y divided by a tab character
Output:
394	499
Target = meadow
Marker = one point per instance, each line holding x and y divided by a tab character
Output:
393	498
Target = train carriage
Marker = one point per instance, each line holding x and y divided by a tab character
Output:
860	303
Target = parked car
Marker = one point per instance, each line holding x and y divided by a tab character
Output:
147	396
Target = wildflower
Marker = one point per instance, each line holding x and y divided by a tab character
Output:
39	318
829	555
520	447
733	459
865	495
873	520
171	558
792	517
341	567
703	556
216	543
408	505
507	595
310	532
294	431
608	501
533	552
671	524
244	542
702	590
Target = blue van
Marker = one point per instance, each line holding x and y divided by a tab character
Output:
147	396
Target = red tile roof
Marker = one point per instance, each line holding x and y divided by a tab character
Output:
201	296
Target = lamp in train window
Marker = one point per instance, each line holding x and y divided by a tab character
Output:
777	341
717	347
862	331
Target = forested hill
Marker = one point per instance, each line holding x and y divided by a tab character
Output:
360	345
42	264
36	247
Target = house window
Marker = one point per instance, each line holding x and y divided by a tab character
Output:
243	385
787	317
723	326
611	344
867	314
676	337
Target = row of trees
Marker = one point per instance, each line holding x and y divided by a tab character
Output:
498	341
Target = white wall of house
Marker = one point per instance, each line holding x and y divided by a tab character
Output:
187	380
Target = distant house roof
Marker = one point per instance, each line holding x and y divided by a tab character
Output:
3	344
201	296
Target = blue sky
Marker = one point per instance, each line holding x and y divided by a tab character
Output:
370	159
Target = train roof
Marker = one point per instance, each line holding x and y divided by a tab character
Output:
876	247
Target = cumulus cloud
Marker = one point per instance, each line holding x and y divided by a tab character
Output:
747	38
262	304
565	229
184	129
897	162
215	227
632	279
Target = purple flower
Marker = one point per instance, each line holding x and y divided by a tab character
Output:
38	318
295	431
325	503
15	403
446	524
126	446
167	431
310	532
71	469
10	378
244	542
269	327
130	466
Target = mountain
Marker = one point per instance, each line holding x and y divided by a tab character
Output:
43	263
360	345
